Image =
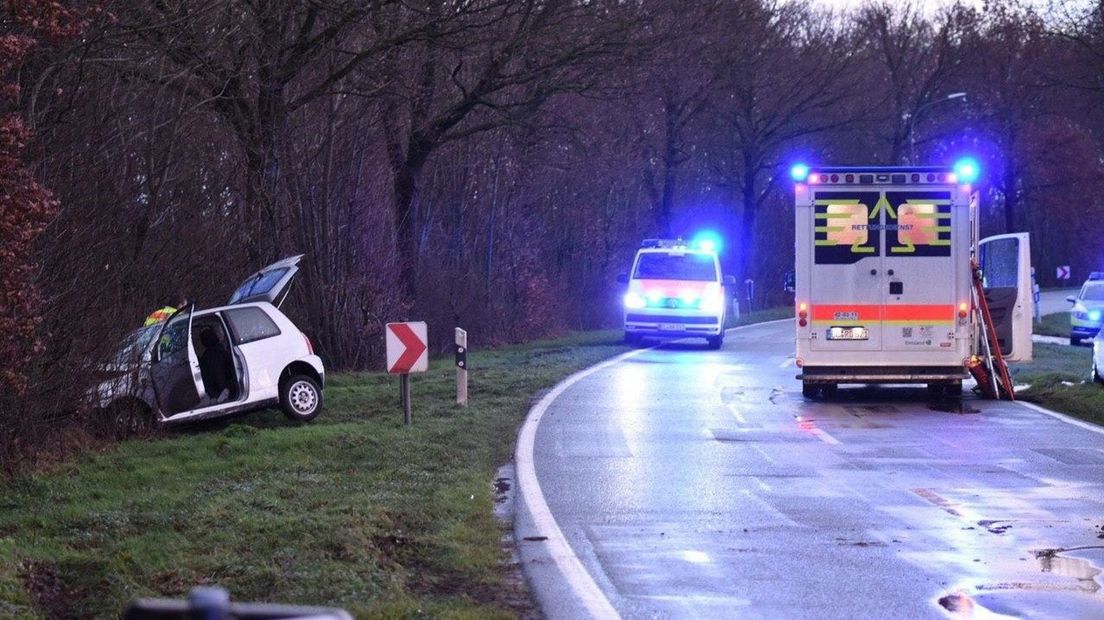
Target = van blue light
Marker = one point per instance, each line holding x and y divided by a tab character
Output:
708	241
799	172
967	170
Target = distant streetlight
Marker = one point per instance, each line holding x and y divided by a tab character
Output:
912	121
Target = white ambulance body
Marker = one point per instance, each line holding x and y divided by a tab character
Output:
884	282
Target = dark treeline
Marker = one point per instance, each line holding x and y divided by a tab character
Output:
491	164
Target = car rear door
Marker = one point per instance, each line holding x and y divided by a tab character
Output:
174	370
270	284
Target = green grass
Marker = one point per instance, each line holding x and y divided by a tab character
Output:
760	316
1059	380
1057	324
354	510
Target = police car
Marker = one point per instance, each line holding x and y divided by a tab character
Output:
676	290
1087	313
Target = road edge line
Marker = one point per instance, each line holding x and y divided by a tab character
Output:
1089	426
569	564
760	324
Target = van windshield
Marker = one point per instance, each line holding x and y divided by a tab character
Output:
688	266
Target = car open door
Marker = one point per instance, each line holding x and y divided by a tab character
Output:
1006	271
175	366
270	284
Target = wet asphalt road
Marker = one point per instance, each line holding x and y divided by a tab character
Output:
700	484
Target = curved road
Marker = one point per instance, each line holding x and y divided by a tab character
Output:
682	482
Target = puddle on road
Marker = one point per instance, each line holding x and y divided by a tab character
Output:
1078	568
992	526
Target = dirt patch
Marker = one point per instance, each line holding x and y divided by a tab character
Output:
57	591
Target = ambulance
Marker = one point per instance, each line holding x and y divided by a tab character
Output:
884	279
676	290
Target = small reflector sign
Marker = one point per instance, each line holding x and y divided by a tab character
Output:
406	348
1064	272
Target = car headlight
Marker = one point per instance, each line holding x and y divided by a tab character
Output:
634	301
1095	315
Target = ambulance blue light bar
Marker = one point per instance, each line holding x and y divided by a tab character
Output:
965	171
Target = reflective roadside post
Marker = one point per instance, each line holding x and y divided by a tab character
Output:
1035	297
461	367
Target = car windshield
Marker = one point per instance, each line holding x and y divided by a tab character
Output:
682	266
1093	292
136	344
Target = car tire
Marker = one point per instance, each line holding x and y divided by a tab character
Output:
715	342
830	391
1096	374
130	419
809	390
300	398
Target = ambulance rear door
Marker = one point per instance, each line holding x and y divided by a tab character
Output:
920	281
1005	262
845	296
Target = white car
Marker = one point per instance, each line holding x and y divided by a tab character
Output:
202	364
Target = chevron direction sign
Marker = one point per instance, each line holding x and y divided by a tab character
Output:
406	348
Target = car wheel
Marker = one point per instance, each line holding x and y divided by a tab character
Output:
300	398
130	419
715	342
830	391
809	390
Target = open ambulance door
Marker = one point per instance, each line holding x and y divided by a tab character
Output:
1006	275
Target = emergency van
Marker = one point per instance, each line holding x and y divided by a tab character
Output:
885	279
675	290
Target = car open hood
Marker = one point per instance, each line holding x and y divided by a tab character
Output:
270	284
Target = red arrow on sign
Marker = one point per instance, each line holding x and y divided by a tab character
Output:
414	348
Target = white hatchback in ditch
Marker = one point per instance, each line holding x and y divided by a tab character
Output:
202	364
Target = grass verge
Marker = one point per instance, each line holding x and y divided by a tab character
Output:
354	510
760	316
1059	380
1057	324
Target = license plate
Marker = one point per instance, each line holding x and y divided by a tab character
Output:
672	327
848	333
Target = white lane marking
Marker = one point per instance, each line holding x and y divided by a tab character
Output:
1063	417
569	564
776	321
736	412
786	363
560	551
825	437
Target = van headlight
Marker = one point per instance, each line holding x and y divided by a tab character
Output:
712	301
634	301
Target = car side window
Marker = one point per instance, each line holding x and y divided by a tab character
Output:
251	324
174	338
